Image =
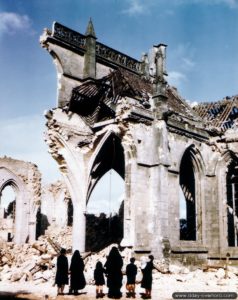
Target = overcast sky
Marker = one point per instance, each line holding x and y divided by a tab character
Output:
202	56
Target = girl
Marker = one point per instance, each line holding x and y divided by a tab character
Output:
99	279
146	282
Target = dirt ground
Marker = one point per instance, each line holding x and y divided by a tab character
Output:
164	285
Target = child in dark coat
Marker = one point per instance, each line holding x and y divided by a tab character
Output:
146	282
131	271
99	279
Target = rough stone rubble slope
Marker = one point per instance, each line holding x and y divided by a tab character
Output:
36	263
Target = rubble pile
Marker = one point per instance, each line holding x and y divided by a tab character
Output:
27	262
62	237
36	262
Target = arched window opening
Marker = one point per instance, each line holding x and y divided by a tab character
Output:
70	212
7	212
232	204
104	218
188	222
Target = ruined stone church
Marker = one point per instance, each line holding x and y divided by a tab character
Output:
115	112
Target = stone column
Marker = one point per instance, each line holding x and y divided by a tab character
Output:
141	205
79	207
159	189
32	230
79	228
128	228
21	220
75	179
173	207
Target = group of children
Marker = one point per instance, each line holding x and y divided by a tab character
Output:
131	272
113	271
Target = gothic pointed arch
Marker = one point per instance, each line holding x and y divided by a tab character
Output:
109	154
24	178
8	194
227	169
190	172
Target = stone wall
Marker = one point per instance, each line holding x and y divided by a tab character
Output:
25	179
54	205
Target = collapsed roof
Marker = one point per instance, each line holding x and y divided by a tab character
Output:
222	114
95	99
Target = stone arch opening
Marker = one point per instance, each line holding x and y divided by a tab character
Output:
8	211
191	167
109	156
24	178
232	203
104	225
226	171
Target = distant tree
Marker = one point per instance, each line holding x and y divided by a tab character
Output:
70	212
102	231
11	209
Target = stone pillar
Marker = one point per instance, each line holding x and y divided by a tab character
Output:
79	228
21	220
78	198
173	207
1	212
128	226
79	207
32	230
141	199
159	188
89	70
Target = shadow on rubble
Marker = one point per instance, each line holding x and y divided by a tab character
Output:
11	296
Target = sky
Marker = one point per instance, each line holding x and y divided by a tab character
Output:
202	56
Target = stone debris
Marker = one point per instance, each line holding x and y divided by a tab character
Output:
36	262
180	278
32	262
177	269
220	273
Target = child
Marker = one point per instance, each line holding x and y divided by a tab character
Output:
131	271
146	282
99	279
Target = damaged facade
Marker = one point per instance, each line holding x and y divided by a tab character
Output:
25	180
55	203
115	112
